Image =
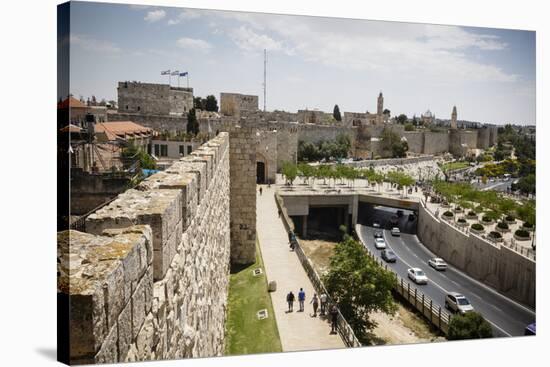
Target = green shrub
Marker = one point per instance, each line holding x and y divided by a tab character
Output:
510	218
448	214
461	220
486	218
527	225
522	233
503	225
469	326
477	227
494	234
471	213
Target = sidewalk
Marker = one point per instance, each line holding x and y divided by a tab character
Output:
298	330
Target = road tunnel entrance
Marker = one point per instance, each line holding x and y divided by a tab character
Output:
388	217
323	221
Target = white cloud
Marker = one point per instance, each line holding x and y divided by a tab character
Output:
194	43
438	53
249	40
91	44
187	14
154	15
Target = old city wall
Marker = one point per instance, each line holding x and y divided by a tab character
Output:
149	280
143	98
509	272
436	142
266	152
316	133
415	140
156	122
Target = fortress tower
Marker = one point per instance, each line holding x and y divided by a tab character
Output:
453	118
380	109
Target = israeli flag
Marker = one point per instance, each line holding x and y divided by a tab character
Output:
184	73
175	72
165	72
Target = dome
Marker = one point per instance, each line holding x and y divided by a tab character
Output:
428	113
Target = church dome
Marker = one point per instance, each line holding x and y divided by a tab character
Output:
428	113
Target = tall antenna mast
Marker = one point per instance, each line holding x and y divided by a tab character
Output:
265	68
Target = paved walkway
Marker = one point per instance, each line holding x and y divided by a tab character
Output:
298	330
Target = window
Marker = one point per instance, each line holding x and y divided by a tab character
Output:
126	106
164	150
182	150
157	150
139	108
189	149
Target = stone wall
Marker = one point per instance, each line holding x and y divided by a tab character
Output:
499	267
156	122
436	142
415	140
234	104
267	152
149	280
156	99
243	195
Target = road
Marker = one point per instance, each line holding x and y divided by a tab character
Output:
507	317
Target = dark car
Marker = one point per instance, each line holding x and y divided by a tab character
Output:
530	329
388	256
378	234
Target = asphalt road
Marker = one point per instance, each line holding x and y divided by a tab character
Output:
507	317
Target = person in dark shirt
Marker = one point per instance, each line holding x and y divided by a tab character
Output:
290	301
333	319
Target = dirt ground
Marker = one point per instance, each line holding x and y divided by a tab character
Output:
405	327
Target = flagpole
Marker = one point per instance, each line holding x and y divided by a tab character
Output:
187	80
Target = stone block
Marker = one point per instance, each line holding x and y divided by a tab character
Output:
138	306
125	331
145	338
109	350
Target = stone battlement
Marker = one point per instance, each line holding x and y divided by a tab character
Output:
149	279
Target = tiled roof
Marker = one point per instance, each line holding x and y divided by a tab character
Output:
122	129
71	102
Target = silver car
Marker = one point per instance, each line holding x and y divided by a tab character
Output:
417	276
458	303
437	263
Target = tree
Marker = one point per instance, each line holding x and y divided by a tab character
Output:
527	184
211	104
469	326
199	103
192	123
290	171
386	112
409	127
336	113
133	152
401	119
392	144
359	286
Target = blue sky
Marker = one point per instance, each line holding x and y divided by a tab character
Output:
313	62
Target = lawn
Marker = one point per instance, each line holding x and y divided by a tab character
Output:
454	165
245	334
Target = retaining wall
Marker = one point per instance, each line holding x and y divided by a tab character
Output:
499	267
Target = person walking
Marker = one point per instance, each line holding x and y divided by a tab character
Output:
323	299
261	190
301	299
290	301
333	319
315	302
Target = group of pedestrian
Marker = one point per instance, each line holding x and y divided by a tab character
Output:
315	302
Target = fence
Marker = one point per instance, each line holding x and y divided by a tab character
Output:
344	329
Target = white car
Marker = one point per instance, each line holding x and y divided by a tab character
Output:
379	243
376	224
437	263
417	276
458	303
395	231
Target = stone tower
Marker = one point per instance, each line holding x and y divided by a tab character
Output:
453	118
380	109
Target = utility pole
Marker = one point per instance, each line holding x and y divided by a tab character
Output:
265	68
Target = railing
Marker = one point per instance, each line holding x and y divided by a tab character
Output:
344	329
437	316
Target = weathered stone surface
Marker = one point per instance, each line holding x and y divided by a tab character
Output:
158	281
109	351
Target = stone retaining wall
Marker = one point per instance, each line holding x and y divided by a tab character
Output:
149	280
499	267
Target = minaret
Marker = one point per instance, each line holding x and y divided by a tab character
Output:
453	118
380	108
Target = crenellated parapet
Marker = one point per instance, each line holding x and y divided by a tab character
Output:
149	278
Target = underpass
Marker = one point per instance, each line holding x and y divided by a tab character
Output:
507	317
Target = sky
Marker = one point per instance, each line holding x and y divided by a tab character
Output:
313	62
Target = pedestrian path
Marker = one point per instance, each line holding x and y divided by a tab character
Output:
298	330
